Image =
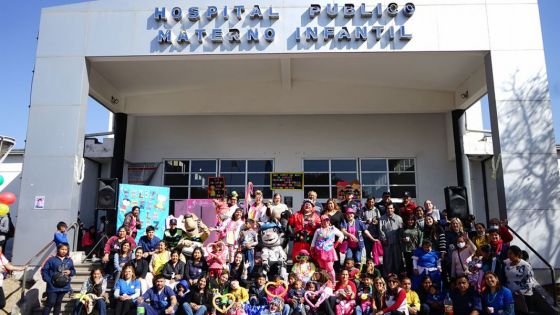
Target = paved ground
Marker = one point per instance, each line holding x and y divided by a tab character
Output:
12	291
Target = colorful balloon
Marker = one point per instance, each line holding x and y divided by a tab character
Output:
4	209
7	198
1	179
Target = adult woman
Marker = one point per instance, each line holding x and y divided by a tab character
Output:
141	269
132	222
519	279
394	301
496	299
114	243
353	230
92	293
304	223
257	211
430	298
420	218
174	269
5	267
196	267
462	255
334	213
434	233
199	299
122	258
411	238
277	208
455	230
323	245
57	272
159	259
481	238
238	269
345	291
126	291
431	210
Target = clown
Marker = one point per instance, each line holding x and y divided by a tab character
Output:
303	268
273	255
304	223
323	245
196	232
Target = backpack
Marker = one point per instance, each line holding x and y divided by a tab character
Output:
59	279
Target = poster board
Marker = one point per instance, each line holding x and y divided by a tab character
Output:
202	208
216	187
153	202
286	181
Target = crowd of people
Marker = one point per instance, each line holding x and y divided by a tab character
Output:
334	258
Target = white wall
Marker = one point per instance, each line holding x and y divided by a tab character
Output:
10	169
289	139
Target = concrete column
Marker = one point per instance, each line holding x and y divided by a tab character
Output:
523	139
53	152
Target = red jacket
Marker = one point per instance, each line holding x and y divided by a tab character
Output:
297	223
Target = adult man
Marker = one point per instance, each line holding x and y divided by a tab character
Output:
159	299
385	200
149	242
232	203
370	215
390	226
303	224
466	301
173	235
349	202
312	195
407	206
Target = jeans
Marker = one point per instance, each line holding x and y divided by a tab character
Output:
100	305
54	301
355	253
188	309
249	255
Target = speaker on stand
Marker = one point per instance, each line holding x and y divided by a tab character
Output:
106	200
456	202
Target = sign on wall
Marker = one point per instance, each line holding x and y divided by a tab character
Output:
284	181
153	202
216	187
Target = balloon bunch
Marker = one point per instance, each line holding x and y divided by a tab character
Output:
6	199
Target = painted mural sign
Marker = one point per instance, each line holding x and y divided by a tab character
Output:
285	181
216	187
182	26
153	203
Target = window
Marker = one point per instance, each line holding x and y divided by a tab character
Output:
375	175
189	178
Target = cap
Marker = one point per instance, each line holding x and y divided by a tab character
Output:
325	217
173	222
308	201
303	252
350	210
407	194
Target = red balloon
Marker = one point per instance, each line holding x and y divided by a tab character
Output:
7	198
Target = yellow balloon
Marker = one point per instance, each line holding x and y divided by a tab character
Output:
4	209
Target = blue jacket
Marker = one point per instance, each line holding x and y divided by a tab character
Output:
360	228
52	267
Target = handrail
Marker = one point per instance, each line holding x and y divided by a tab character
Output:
74	226
542	259
103	237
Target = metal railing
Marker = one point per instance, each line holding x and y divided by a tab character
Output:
92	251
75	226
553	277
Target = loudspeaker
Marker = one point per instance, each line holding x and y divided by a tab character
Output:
456	202
107	193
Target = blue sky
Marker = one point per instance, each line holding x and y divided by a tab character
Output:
19	27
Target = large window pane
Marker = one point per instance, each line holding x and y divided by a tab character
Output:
348	177
398	191
373	191
322	192
200	179
178	193
234	179
232	166
401	165
259	179
199	193
374	178
379	165
260	165
203	166
343	165
315	165
177	166
176	179
316	179
401	178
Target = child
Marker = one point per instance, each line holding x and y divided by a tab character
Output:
248	240
292	277
352	271
412	299
312	301
257	294
296	299
277	289
181	290
216	258
275	307
365	295
60	236
241	294
370	270
475	274
303	268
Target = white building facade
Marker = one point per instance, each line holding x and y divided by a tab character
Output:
337	90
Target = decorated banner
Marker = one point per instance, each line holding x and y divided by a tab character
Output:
343	186
202	208
285	181
216	187
153	202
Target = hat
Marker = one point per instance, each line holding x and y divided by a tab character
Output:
173	222
303	252
386	193
308	201
325	217
350	210
407	194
